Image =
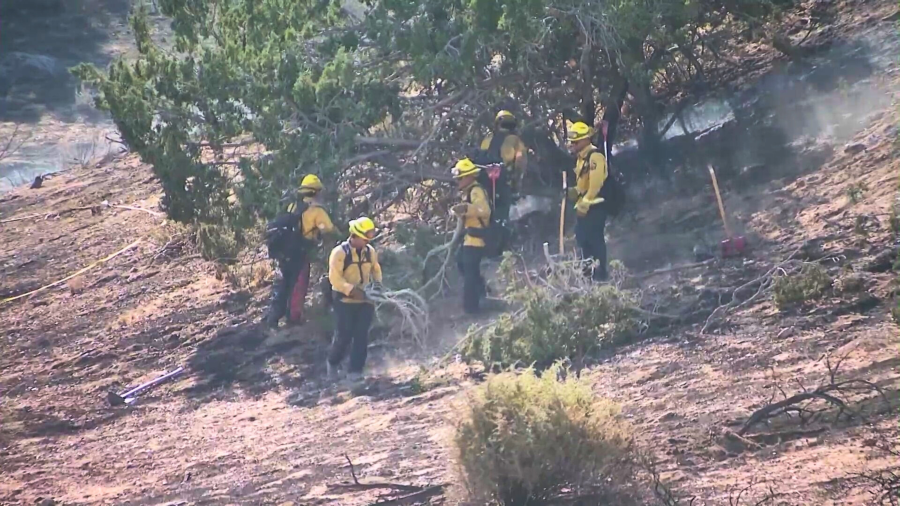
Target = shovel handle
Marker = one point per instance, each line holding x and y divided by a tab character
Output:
712	174
140	388
562	215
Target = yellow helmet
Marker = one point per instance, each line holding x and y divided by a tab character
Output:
504	114
578	131
311	182
363	228
464	168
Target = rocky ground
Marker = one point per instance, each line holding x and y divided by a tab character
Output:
251	421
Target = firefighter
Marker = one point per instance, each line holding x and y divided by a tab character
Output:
289	292
352	266
511	150
590	174
476	213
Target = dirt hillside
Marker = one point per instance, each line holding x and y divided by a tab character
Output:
252	422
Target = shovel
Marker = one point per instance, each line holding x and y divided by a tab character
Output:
129	396
733	245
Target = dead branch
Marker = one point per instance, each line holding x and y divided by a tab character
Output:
412	307
828	392
441	277
661	491
361	487
414	497
10	147
352	471
736	495
764	282
674	268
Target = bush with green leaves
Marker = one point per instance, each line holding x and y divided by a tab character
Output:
374	98
563	316
809	284
524	439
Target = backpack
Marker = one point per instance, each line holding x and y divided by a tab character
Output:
492	160
613	189
348	257
284	234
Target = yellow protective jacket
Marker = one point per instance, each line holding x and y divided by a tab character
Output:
589	178
478	213
512	147
314	221
360	269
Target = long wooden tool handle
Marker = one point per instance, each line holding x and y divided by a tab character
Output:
712	174
140	388
562	215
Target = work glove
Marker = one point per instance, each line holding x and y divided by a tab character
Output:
357	293
584	205
460	209
581	208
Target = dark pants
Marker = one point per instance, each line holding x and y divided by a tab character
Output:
589	235
352	323
283	296
468	259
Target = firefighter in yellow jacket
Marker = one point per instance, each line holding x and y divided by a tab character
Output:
289	292
352	266
510	146
590	175
476	211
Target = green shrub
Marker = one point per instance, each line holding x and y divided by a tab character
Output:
219	242
562	316
856	191
524	438
894	219
550	328
810	283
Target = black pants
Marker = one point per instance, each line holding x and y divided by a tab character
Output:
352	322
589	231
468	259
282	288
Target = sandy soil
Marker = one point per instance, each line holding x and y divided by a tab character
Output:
253	423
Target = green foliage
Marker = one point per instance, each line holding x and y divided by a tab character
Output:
256	94
856	191
426	380
565	317
524	438
810	283
217	242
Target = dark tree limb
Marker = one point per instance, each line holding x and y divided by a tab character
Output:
419	496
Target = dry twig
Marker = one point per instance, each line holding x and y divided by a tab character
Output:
441	276
764	282
828	392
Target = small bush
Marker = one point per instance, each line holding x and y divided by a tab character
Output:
856	191
524	439
218	242
810	283
562	316
894	219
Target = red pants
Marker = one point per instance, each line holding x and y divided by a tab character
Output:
298	294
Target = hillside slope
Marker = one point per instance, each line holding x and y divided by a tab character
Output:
253	423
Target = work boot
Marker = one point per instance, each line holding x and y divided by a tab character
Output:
272	321
355	377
